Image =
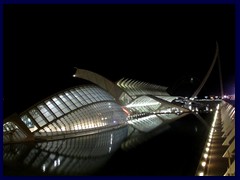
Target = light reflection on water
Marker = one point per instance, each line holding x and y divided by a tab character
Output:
76	156
97	154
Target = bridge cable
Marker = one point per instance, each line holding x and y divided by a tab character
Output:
208	73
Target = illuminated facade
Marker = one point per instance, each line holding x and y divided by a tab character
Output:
74	111
91	109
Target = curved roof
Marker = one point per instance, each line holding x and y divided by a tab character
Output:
136	88
104	83
74	110
87	109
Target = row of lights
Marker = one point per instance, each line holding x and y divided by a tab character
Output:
208	144
141	119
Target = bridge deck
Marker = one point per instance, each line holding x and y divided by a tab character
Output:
217	165
218	157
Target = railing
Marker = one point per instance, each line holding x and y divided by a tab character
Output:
223	130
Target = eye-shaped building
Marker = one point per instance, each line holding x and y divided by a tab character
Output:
89	109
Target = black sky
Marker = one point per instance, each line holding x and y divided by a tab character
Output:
160	44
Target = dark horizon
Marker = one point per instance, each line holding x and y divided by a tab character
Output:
159	44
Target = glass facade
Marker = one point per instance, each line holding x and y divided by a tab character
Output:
76	110
90	109
12	133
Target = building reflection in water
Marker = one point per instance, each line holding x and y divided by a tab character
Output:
53	137
76	156
141	131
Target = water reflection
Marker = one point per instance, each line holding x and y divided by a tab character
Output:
95	154
141	132
169	150
75	156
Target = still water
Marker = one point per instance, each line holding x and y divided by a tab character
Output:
170	150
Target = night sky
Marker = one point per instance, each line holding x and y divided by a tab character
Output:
160	44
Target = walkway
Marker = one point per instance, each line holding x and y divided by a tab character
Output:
218	157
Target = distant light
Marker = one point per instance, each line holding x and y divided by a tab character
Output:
74	75
44	167
205	155
196	129
225	96
111	140
208	144
55	163
201	174
205	97
207	149
191	80
203	164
